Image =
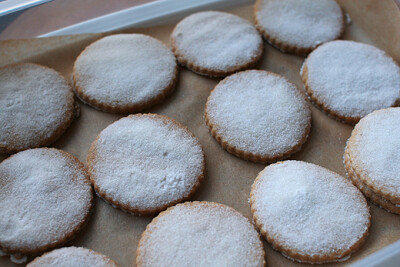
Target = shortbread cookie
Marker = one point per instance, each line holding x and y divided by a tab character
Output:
298	26
216	43
200	234
372	154
124	73
36	106
72	256
258	116
46	198
372	196
349	80
145	163
308	213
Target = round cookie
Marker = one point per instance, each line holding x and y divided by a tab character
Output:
349	80
72	256
117	73
46	198
145	163
373	197
220	236
257	115
216	43
309	213
372	154
37	106
298	26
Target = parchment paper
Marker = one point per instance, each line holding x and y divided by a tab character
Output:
228	178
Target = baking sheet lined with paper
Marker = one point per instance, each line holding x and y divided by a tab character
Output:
228	178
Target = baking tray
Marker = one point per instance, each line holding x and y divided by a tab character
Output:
13	6
228	179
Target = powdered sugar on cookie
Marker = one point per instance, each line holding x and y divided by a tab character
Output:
308	211
352	79
36	106
300	23
45	197
200	234
124	71
145	162
216	41
374	150
371	195
72	256
259	112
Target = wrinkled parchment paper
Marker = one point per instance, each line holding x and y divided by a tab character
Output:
228	178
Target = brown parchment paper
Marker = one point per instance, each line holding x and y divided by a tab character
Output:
228	178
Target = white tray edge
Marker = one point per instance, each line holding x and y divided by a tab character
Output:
147	15
11	6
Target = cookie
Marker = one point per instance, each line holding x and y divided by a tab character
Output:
216	43
37	106
374	198
349	80
258	116
124	73
72	256
371	157
308	213
200	234
46	198
298	26
145	163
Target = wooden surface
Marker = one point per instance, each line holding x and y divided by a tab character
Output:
58	14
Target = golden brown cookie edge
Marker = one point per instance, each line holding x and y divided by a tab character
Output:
350	165
73	233
91	158
143	236
284	46
210	72
294	256
213	129
122	109
68	118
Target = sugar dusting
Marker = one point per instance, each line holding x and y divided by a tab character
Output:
72	256
146	162
375	148
259	112
125	69
33	101
43	196
201	234
309	209
217	40
301	23
353	79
